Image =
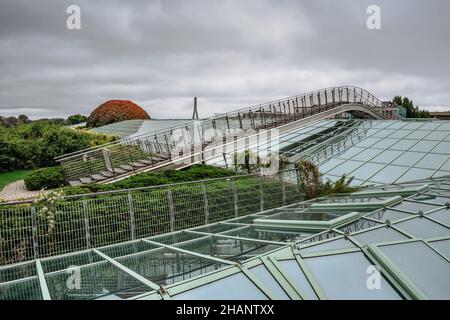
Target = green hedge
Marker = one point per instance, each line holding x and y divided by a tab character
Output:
146	179
30	146
45	178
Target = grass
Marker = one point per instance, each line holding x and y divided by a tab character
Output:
8	177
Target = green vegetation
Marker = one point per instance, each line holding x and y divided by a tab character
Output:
45	178
34	145
76	119
411	111
309	178
342	185
8	177
145	179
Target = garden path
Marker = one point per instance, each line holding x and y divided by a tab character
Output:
17	190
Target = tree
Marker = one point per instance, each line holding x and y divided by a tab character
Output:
76	119
23	119
411	111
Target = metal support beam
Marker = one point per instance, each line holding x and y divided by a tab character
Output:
128	271
42	283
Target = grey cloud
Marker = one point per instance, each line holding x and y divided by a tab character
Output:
229	53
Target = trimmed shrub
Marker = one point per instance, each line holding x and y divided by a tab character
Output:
114	111
45	178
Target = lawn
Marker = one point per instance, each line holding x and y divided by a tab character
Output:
8	177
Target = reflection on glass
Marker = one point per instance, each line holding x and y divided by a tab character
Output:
235	287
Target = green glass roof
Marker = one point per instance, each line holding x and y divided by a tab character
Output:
373	152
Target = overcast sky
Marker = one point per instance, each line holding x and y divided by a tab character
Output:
228	53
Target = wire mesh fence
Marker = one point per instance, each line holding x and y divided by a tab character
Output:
87	221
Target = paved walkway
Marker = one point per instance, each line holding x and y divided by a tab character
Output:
16	191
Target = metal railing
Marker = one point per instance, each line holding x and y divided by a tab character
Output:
92	220
131	154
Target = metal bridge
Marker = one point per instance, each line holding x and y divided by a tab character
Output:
171	147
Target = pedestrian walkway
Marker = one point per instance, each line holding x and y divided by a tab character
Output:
17	190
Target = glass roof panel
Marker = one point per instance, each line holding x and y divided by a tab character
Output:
93	281
432	199
423	228
442	147
15	272
384	143
228	249
424	146
64	262
379	133
432	125
408	158
386	156
379	235
351	152
441	173
418	134
345	276
389	214
413	125
436	135
367	142
415	206
389	174
224	289
403	145
442	216
123	249
164	266
330	164
176	238
415	174
263	275
366	171
443	246
431	161
446	165
261	234
382	124
336	244
399	133
216	228
27	289
304	215
366	154
428	271
346	167
292	269
358	225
